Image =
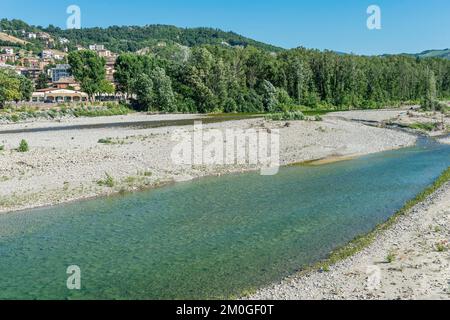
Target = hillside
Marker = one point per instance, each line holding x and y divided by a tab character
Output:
134	38
445	53
10	39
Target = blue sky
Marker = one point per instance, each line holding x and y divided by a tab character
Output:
407	25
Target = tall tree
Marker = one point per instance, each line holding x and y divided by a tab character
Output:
9	87
88	68
143	88
42	81
270	97
164	96
127	67
26	88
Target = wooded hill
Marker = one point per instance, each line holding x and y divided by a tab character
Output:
134	38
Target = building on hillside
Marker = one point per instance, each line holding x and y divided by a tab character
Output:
31	73
64	40
49	41
43	36
31	62
104	53
32	35
96	47
43	63
67	83
52	95
60	71
8	58
110	67
53	55
9	51
47	54
101	50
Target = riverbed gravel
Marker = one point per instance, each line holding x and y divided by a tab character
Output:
65	165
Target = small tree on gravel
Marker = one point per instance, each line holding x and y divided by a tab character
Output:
23	146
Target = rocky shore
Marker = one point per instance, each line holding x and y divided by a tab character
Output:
65	164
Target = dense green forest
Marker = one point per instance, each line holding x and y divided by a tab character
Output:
194	71
133	38
216	79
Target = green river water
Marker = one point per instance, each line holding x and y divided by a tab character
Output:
210	238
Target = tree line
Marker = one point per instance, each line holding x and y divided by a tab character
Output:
215	78
219	79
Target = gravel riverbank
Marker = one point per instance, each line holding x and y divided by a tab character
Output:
66	165
410	260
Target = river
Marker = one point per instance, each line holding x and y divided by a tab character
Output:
209	238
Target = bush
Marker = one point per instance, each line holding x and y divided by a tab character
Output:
434	105
285	116
107	182
441	246
428	126
2	147
390	257
23	146
105	141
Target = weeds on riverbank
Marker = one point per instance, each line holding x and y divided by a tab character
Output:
284	116
113	141
107	182
391	257
428	126
291	116
105	141
442	246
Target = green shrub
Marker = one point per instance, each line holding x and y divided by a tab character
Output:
434	105
428	126
441	246
107	182
390	257
105	141
23	146
285	116
2	147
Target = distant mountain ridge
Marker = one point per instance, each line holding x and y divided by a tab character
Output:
445	53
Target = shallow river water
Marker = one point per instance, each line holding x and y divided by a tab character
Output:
210	238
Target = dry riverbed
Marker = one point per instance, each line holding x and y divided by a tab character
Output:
66	165
408	117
